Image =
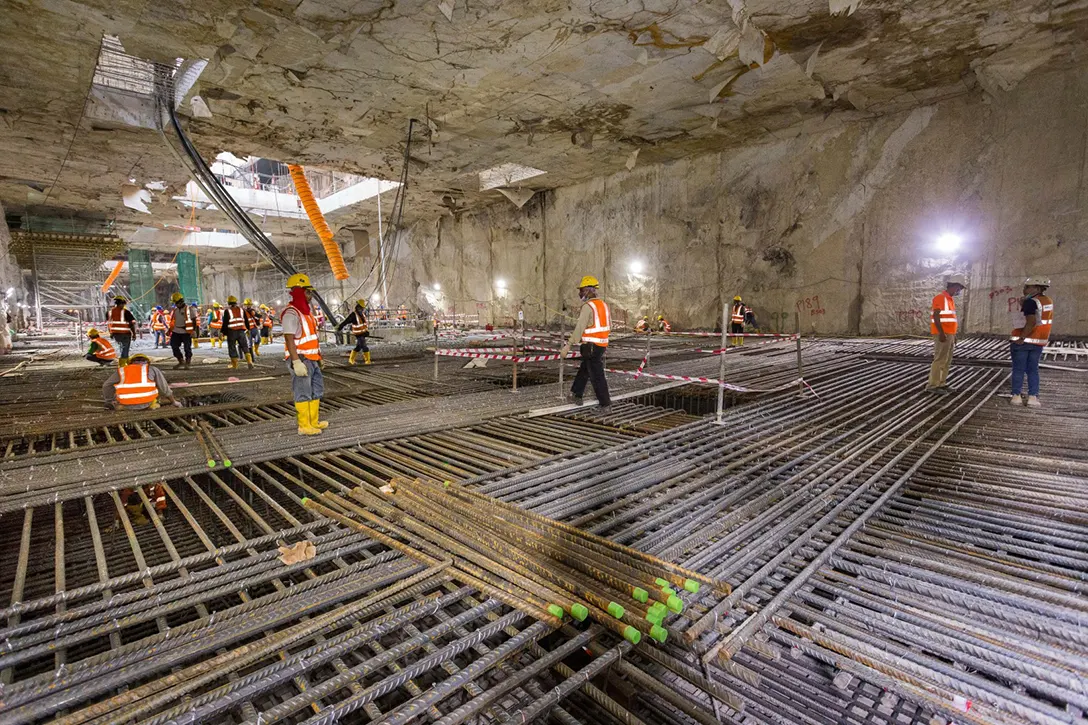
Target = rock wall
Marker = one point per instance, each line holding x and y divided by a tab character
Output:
840	227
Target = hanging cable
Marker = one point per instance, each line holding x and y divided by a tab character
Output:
317	219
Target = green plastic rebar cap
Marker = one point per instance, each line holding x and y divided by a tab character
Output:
616	610
659	633
211	463
447	484
658	607
661	582
579	612
655	616
556	611
691	585
227	463
675	604
632	635
668	591
305	499
640	595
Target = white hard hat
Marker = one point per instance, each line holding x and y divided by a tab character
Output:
956	279
1036	282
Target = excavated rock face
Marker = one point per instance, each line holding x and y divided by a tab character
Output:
572	89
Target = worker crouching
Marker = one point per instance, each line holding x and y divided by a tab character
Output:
100	351
137	386
303	355
591	332
360	327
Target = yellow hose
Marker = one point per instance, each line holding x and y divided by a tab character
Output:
113	276
317	219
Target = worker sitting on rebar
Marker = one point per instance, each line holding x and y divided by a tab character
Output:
100	351
137	386
303	355
360	328
235	323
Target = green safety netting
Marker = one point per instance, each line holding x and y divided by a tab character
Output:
189	277
141	282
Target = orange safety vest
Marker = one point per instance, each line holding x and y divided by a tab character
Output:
252	318
360	326
117	324
217	320
105	350
266	320
665	326
237	319
156	493
737	315
597	333
158	321
136	386
1041	334
189	325
306	344
946	313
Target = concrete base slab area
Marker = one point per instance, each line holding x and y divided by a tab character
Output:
886	555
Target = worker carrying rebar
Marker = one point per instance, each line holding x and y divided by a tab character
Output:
214	323
100	350
122	328
360	327
182	324
738	314
663	324
303	355
130	499
591	332
1029	339
236	324
137	386
158	326
253	326
944	325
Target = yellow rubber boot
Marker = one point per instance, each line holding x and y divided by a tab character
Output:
122	362
351	357
304	427
257	349
249	361
315	408
233	363
366	358
196	343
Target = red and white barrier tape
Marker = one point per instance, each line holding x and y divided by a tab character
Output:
711	381
729	334
495	356
720	350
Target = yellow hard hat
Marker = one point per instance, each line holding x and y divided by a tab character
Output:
361	302
589	281
232	300
119	298
248	302
299	280
215	305
92	332
176	297
737	298
661	317
139	357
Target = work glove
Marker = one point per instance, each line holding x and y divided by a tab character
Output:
299	369
564	351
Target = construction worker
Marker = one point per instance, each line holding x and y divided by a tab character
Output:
360	327
663	324
158	326
266	324
137	386
182	324
236	324
643	324
737	315
122	328
214	323
591	332
402	313
945	326
194	308
100	351
130	499
253	326
303	355
1029	339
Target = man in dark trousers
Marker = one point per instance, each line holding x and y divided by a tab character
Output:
181	324
360	328
122	328
591	332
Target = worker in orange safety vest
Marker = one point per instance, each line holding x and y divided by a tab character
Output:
944	326
137	386
134	507
121	324
591	332
158	326
100	351
215	324
302	351
1030	338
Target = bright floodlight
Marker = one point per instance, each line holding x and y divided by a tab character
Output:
375	298
500	283
279	302
10	292
437	286
949	242
635	266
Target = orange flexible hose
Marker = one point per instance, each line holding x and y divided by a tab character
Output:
113	276
317	219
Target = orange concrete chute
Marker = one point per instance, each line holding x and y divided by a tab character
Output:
113	276
332	250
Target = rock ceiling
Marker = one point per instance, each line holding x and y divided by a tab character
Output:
572	88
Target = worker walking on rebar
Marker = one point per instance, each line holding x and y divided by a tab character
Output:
266	325
137	386
945	326
303	355
253	326
235	323
195	309
100	351
360	327
214	323
1029	339
182	324
591	332
158	327
122	328
737	315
